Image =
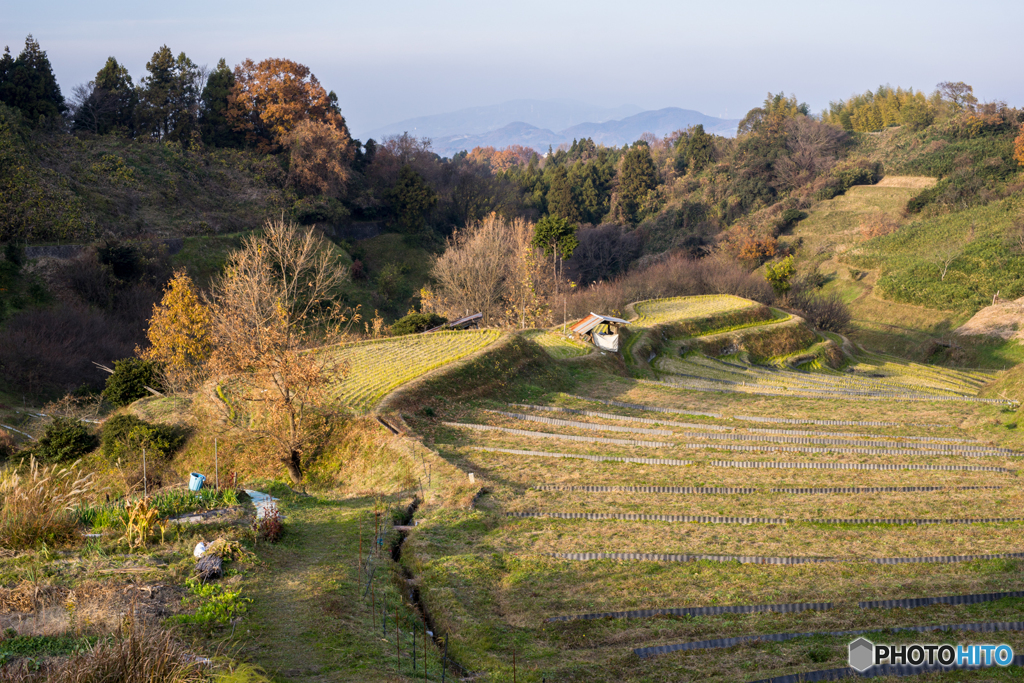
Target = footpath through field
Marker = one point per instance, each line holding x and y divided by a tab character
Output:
308	621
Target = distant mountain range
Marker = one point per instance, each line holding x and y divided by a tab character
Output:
553	114
533	123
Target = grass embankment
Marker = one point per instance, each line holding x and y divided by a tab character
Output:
894	284
557	345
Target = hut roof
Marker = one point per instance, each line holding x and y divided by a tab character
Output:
593	320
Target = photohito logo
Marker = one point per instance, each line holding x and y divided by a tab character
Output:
864	654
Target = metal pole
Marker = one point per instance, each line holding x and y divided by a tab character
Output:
145	484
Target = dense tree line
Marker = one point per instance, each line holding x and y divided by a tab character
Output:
689	191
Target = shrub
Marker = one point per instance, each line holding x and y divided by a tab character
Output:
269	527
416	322
840	180
7	445
319	210
791	217
129	381
35	505
779	273
125	435
878	224
65	439
133	655
825	311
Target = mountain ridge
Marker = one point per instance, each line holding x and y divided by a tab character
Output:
612	133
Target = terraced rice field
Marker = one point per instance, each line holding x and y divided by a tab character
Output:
378	367
557	345
626	525
875	377
658	311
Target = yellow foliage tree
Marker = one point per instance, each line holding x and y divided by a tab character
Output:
320	157
179	334
1018	148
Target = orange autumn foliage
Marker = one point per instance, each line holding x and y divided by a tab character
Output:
271	98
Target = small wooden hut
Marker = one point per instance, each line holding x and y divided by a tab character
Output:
600	330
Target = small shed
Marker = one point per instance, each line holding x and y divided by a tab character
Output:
463	323
600	330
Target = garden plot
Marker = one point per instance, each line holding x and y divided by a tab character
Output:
377	367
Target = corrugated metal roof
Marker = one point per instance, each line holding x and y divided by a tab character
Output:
593	320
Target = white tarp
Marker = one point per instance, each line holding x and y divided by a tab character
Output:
608	342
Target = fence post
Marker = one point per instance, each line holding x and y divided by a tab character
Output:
398	640
216	463
444	660
145	484
414	648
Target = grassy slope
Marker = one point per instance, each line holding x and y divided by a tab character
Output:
131	188
831	236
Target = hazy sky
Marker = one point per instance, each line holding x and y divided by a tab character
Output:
394	59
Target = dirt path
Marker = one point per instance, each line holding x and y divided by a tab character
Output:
308	621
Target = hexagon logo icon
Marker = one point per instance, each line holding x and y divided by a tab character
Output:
862	654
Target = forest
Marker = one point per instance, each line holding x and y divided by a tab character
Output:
164	172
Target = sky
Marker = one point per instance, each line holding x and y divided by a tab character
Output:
392	60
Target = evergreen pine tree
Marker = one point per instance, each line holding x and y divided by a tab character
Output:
636	177
216	128
28	83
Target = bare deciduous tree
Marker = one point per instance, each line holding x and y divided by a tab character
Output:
491	267
91	107
471	273
277	303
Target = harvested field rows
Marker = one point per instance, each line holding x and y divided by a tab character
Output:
740	504
658	311
377	367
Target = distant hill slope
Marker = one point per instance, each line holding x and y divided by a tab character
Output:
611	133
552	114
659	122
